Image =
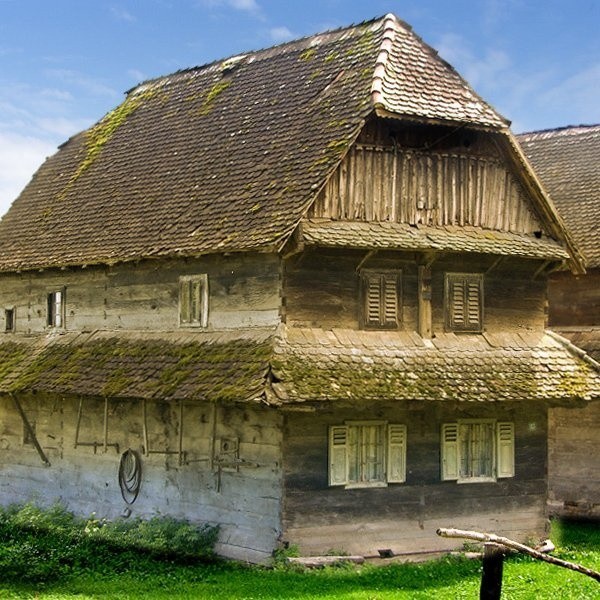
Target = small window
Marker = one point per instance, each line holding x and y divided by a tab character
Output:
56	309
193	300
10	320
367	454
464	302
381	299
477	450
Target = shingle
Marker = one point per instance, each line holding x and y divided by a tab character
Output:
452	369
224	159
567	162
402	236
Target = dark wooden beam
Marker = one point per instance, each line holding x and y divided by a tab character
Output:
30	431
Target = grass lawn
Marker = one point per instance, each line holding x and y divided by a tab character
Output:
138	577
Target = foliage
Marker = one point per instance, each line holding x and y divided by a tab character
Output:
144	577
48	545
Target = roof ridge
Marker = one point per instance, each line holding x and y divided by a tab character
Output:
252	53
390	22
573	349
563	130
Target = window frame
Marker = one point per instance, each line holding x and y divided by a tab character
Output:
10	319
189	286
367	282
391	448
56	317
502	449
468	281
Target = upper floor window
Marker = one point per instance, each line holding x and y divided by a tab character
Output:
10	321
381	299
477	450
367	454
464	302
56	309
193	300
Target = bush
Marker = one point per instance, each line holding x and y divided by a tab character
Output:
43	545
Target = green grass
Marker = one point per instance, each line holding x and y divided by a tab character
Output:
135	575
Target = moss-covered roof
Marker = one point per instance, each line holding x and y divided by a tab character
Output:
193	367
315	365
227	156
293	365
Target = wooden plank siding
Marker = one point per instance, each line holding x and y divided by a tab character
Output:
383	183
244	502
404	517
513	301
244	292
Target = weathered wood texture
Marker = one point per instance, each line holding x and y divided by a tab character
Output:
244	501
244	292
513	301
428	175
574	300
404	517
574	485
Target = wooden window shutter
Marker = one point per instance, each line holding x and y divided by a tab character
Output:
464	302
449	451
193	300
184	300
396	453
381	299
505	439
338	455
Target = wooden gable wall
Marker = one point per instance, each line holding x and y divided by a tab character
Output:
430	175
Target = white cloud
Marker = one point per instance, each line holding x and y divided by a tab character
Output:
89	84
121	14
578	92
281	34
20	156
136	75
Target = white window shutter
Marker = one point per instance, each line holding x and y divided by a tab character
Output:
338	455
396	454
449	444
505	436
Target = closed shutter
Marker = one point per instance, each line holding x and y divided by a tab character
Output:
449	451
338	455
381	300
464	302
185	300
505	436
396	454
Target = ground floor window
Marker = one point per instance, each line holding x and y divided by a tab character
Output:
367	454
477	450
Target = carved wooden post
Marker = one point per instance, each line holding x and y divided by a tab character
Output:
491	577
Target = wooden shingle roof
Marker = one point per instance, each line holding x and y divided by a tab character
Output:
290	365
313	365
567	161
227	156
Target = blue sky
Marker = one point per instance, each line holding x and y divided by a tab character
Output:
65	63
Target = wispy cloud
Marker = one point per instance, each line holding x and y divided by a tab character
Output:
121	14
281	34
243	5
89	84
137	75
20	156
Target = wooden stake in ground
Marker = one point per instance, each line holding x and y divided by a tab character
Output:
490	537
491	578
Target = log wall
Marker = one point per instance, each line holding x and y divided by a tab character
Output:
404	517
321	289
244	292
244	502
574	300
574	487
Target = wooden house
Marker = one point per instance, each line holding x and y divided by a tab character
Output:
566	161
301	293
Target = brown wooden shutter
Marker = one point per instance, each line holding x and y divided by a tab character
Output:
381	300
464	302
